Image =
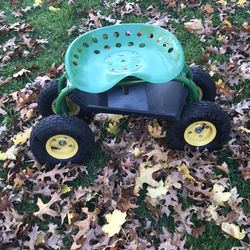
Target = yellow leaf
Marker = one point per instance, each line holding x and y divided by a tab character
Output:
244	129
233	230
40	239
3	156
9	154
219	196
136	152
22	138
184	169
156	131
222	38
115	118
212	70
113	128
222	2
53	9
115	221
242	3
70	216
227	24
155	192
38	1
65	189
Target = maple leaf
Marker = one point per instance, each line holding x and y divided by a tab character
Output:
146	176
44	208
233	230
115	221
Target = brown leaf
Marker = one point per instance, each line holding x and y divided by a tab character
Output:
196	232
33	235
194	26
44	208
208	9
21	73
4	203
26	41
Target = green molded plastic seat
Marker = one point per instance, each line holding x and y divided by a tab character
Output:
97	60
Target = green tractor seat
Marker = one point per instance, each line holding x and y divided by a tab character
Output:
97	60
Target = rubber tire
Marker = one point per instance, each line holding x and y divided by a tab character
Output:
48	94
61	124
203	80
199	111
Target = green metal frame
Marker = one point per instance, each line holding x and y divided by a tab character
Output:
185	77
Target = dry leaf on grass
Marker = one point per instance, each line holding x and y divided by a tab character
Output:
233	230
44	208
194	26
21	73
146	176
219	196
115	221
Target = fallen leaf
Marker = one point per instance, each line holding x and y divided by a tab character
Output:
38	1
146	176
242	3
113	128
207	9
10	154
21	73
184	169
157	131
194	25
155	192
65	189
219	196
233	230
53	9
227	24
22	138
44	208
115	221
246	26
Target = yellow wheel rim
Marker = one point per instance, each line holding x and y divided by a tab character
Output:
61	146
73	108
200	133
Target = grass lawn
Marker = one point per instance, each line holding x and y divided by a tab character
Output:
55	28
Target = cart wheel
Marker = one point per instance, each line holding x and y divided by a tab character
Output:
47	102
203	125
205	83
61	139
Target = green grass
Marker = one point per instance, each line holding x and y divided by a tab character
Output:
54	26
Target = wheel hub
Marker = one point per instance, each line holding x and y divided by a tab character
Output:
61	146
200	133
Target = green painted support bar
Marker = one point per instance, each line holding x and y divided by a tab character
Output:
61	106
